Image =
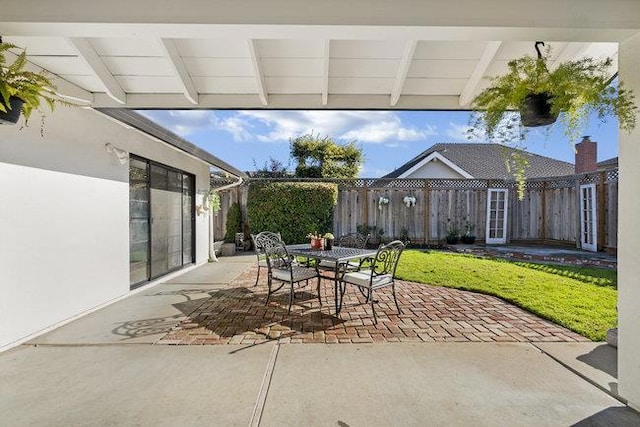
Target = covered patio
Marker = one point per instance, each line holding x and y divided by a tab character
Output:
273	55
118	365
123	357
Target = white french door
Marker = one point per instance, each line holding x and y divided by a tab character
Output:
497	216
588	219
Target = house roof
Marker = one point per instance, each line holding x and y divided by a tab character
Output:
138	121
487	161
608	164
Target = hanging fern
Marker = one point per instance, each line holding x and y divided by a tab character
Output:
32	88
577	89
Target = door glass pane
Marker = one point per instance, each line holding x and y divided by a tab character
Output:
166	220
174	220
496	216
159	220
138	221
187	219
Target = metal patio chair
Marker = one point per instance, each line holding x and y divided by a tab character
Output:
351	240
380	274
259	241
284	269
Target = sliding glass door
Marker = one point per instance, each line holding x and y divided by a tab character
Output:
139	220
162	218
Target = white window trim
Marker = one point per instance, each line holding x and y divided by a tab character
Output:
503	240
434	157
593	247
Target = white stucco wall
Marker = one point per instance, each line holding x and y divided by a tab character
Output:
629	238
64	217
435	169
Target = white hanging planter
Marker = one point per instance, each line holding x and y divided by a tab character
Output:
409	201
382	201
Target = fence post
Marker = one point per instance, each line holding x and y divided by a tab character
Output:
427	214
578	211
364	203
543	210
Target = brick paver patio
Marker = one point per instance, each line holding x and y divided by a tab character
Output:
238	315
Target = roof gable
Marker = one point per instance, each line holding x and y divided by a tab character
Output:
486	161
435	156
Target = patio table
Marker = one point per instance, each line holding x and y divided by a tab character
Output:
337	254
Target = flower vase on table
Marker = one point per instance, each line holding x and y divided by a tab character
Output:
317	243
328	241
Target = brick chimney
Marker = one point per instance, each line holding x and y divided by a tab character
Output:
586	155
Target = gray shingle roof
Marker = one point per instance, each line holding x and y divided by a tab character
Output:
487	161
608	164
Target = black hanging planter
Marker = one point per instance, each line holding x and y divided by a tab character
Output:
536	110
12	115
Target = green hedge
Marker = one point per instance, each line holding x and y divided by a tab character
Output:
234	223
292	208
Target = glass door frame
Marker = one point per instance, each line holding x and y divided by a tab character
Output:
585	233
505	211
150	221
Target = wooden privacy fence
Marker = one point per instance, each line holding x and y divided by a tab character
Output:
549	212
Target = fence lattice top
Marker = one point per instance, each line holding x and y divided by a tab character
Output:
447	184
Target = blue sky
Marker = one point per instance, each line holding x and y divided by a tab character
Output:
388	138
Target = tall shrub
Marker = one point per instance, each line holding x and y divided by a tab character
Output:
234	223
292	208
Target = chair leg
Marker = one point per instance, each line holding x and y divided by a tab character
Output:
339	295
269	283
373	308
393	288
319	298
258	277
291	294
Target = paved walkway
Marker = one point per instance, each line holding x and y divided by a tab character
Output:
541	254
103	369
238	315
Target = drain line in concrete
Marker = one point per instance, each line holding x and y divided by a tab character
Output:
264	387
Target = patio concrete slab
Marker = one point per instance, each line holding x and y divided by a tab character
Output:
130	385
147	316
223	271
141	318
433	384
595	361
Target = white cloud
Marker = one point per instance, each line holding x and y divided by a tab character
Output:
363	126
460	133
237	127
375	127
182	122
508	128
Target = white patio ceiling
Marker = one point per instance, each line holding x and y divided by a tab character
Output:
301	54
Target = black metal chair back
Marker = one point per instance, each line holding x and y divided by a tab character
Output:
353	240
265	239
386	260
260	240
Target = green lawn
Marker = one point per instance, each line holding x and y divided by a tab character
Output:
581	299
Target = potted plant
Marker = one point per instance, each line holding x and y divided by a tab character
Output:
468	238
23	91
328	241
575	88
453	233
409	200
317	241
382	201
